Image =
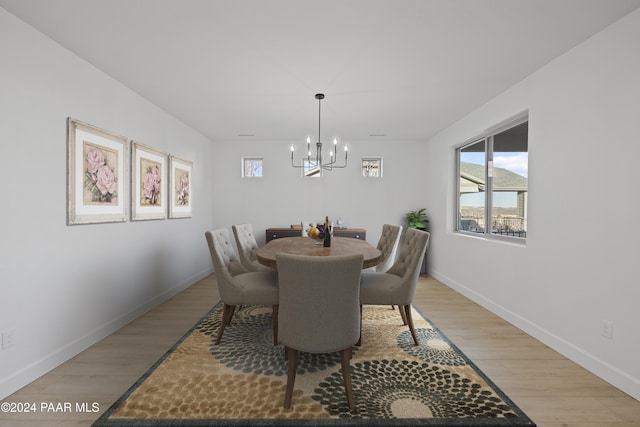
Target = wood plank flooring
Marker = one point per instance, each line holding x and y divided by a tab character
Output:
552	390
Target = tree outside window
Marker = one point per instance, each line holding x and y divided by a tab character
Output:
252	167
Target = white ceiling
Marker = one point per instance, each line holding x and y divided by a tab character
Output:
400	68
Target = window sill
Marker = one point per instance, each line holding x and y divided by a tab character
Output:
515	241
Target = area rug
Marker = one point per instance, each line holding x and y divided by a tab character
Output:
241	381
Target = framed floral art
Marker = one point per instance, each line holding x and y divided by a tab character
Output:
148	183
181	192
96	174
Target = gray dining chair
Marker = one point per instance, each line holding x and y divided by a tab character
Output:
319	310
398	285
247	247
236	285
388	245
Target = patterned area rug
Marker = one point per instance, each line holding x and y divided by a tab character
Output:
241	382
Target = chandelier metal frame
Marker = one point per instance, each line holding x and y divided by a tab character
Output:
315	165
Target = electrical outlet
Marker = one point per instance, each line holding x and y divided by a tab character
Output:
8	338
607	329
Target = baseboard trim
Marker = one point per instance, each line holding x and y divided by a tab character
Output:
614	376
35	370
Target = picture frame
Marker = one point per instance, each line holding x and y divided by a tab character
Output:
96	174
372	167
180	188
149	187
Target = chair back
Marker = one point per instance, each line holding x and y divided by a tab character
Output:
247	246
408	262
226	264
319	301
388	245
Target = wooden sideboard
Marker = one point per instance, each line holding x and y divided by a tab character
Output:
276	233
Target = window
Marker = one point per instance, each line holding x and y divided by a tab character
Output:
252	167
372	167
311	169
492	172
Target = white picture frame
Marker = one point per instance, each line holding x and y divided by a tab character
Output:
149	187
180	188
96	174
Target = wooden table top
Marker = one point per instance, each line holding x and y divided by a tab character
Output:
307	246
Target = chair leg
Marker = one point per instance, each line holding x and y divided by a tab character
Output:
407	310
291	375
359	343
275	323
227	313
404	316
345	357
233	311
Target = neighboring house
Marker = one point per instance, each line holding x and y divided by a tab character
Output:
472	180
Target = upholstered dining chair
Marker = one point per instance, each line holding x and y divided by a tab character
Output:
236	285
398	285
247	247
319	310
388	245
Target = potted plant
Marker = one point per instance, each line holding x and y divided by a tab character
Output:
417	219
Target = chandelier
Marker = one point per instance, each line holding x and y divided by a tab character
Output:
314	165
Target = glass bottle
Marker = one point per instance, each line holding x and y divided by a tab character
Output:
327	233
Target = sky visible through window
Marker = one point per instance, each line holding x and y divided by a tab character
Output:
516	162
252	167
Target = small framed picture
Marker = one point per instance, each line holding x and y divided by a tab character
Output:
181	192
372	167
148	183
252	167
96	175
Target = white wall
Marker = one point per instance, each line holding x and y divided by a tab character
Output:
64	287
283	197
579	265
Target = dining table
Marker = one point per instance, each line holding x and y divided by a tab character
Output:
302	245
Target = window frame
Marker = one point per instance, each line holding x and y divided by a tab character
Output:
252	159
488	138
366	161
310	169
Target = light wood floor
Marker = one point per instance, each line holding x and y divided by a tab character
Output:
552	390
